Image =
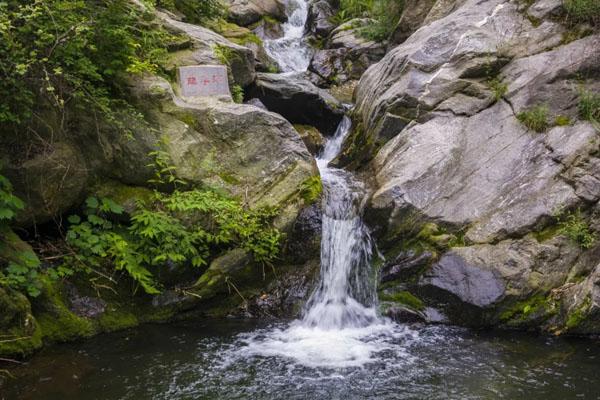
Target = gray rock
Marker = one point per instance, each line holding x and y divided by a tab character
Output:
298	100
470	283
320	13
346	55
247	12
211	48
250	152
544	8
404	315
404	265
413	16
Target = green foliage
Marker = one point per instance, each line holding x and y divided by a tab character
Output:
9	203
182	228
535	118
195	11
72	52
583	10
224	54
578	315
589	106
19	266
498	87
237	93
164	172
385	15
311	189
574	226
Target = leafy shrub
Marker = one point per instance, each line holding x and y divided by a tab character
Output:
574	226
589	106
385	13
19	266
182	228
195	11
237	93
583	10
535	118
61	53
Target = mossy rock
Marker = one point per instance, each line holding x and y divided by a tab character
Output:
57	322
116	320
124	195
20	332
404	298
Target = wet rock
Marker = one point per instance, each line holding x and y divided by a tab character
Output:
470	283
247	12
267	28
305	238
405	265
311	137
89	307
404	315
299	101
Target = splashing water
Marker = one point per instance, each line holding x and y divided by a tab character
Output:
340	327
292	52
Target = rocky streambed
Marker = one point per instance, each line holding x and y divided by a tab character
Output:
477	218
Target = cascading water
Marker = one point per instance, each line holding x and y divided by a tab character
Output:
345	295
340	326
292	52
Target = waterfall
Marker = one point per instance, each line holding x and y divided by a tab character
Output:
292	51
340	327
345	296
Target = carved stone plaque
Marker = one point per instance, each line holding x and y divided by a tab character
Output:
204	80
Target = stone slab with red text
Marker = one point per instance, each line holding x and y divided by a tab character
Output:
203	80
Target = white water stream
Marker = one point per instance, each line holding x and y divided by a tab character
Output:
340	326
292	51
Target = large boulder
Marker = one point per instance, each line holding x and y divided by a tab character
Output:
320	13
247	12
246	150
298	100
436	126
346	54
208	47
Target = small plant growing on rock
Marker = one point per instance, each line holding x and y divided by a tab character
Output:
589	106
535	118
583	11
311	189
574	226
498	87
237	93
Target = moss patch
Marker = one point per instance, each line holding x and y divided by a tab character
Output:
116	320
405	298
57	322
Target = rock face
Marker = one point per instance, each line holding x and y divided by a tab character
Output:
346	55
436	125
298	100
247	12
320	13
209	47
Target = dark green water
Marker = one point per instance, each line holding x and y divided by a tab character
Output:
207	361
